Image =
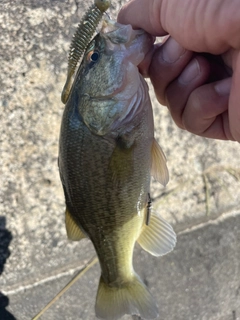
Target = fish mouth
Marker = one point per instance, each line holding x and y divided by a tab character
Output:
115	31
124	34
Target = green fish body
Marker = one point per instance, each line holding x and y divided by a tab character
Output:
106	157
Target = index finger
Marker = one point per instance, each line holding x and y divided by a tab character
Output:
143	14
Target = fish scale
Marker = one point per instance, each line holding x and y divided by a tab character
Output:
107	151
99	203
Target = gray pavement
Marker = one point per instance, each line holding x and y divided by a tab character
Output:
200	279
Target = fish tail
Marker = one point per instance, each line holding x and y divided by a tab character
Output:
130	298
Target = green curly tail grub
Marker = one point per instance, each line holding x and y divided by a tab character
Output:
81	39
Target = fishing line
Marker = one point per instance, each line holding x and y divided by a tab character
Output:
149	208
88	266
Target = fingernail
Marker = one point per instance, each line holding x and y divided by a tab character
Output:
172	51
223	87
190	72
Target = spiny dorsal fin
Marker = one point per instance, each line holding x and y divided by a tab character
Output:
157	238
159	168
74	233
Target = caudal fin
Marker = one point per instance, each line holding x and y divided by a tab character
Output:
130	298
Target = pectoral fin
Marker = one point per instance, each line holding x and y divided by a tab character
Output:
158	238
159	168
74	233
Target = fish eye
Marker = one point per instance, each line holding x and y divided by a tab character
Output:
93	56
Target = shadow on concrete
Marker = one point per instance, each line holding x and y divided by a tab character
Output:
5	239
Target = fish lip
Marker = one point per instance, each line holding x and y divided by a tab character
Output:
119	33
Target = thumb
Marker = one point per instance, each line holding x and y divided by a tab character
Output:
143	14
183	20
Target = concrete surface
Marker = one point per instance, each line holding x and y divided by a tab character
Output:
199	280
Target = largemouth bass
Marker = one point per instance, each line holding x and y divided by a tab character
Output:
106	158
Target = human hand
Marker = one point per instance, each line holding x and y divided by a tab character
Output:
202	91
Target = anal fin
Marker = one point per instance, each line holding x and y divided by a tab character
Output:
159	168
74	233
157	238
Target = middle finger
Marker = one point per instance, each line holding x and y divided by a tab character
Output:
167	63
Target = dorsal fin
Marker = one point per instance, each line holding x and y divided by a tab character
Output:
159	168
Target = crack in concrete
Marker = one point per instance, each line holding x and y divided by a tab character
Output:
215	221
60	275
22	288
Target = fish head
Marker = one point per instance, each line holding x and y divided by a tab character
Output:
108	77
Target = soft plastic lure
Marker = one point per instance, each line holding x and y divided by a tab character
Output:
81	39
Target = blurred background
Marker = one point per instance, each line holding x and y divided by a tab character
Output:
200	279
